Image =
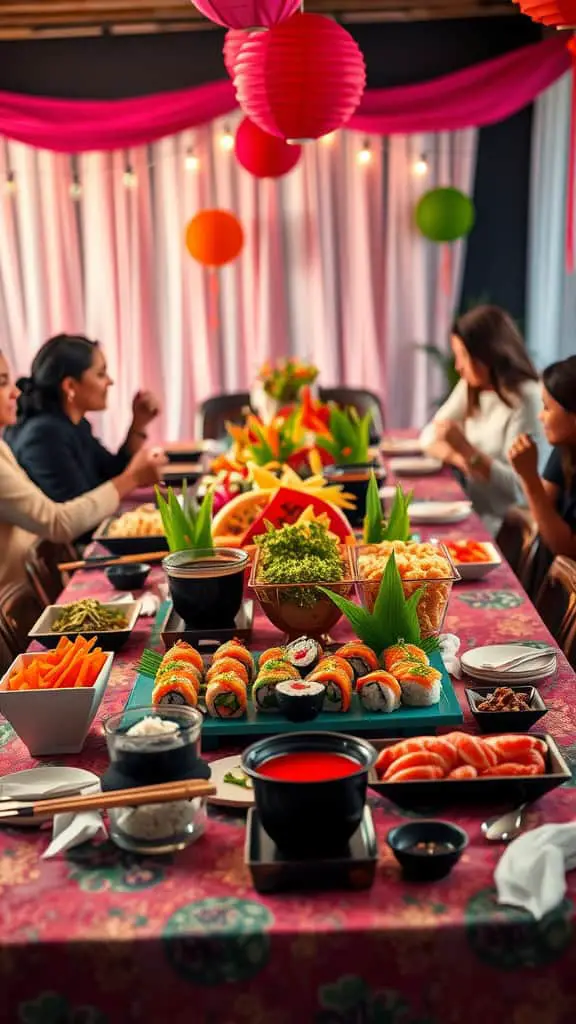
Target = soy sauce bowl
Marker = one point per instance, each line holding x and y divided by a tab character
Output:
128	577
427	850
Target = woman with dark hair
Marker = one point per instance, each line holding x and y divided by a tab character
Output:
552	496
52	439
26	513
496	399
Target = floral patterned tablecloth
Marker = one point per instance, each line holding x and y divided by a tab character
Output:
101	937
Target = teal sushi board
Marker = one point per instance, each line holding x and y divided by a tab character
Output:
403	722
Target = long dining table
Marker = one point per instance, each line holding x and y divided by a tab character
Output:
100	936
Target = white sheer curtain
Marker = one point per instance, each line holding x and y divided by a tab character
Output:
551	292
332	270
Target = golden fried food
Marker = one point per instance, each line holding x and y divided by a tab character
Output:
144	521
418	562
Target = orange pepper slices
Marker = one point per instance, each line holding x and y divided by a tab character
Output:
70	664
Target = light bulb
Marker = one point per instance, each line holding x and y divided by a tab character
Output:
227	141
10	185
191	161
75	191
421	167
129	178
364	155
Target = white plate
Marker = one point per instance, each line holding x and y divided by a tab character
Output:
227	794
439	511
478	570
415	467
387	493
42	784
401	446
497	653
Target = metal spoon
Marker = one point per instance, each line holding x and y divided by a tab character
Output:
505	827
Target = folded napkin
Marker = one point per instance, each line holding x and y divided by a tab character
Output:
73	829
532	871
449	647
68	830
149	603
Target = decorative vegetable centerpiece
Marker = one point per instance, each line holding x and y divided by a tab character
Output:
284	380
290	563
187	525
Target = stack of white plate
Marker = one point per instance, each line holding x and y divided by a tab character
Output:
484	664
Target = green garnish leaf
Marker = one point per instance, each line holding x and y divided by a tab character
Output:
187	527
238	780
398	526
373	525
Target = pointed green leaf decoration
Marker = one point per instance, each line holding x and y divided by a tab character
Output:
373	525
398	526
187	527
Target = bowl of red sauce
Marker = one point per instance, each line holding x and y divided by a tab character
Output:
310	789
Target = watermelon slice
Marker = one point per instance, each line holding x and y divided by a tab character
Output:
287	505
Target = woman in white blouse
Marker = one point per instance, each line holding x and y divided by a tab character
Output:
496	400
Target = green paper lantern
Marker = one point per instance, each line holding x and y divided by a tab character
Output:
445	214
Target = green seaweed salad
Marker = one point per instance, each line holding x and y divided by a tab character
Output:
302	553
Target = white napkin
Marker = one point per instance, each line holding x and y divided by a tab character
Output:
68	830
149	603
73	829
449	647
532	872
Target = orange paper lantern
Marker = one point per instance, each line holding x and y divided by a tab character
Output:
214	237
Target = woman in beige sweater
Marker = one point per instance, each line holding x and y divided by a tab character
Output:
26	513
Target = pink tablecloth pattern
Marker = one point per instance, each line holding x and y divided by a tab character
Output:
102	937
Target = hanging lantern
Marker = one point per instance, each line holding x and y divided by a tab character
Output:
445	214
214	237
233	42
555	13
247	13
302	79
264	155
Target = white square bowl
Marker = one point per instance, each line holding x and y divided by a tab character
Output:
478	570
107	639
53	721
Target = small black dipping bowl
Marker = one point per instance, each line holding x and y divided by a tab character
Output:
310	819
206	587
128	577
427	865
355	478
505	721
304	702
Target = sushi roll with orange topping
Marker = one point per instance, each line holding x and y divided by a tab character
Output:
304	653
236	649
420	684
279	665
338	693
272	654
379	691
182	651
175	690
181	669
403	652
333	661
360	657
226	697
227	665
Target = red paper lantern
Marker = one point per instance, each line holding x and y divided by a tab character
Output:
302	79
264	155
214	237
247	13
233	42
556	13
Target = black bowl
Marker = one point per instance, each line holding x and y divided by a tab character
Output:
355	478
427	865
301	707
128	577
206	587
506	721
310	819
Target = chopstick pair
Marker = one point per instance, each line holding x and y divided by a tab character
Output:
161	793
104	561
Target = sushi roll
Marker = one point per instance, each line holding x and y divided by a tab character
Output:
420	684
333	661
182	669
300	700
263	692
227	665
304	654
226	697
360	657
338	693
379	691
272	654
403	652
175	689
236	649
182	651
279	665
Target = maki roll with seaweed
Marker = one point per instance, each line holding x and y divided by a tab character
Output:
237	650
227	665
226	697
379	691
338	693
360	657
175	689
403	652
272	654
420	684
263	692
304	654
300	700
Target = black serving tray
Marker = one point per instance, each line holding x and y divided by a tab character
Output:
206	639
440	792
274	871
128	545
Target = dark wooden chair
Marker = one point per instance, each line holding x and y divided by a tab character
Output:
363	401
215	412
42	568
556	604
19	609
6	654
516	540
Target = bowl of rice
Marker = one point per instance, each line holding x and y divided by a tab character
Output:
422	566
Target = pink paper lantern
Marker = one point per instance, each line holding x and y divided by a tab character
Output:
302	79
233	42
247	13
264	155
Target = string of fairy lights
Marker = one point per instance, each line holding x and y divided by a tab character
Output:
193	163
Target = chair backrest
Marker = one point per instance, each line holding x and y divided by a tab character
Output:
19	610
516	538
363	401
556	603
214	413
6	653
42	568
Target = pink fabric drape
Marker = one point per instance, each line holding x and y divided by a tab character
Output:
482	94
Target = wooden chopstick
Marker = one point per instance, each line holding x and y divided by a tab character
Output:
160	793
104	563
